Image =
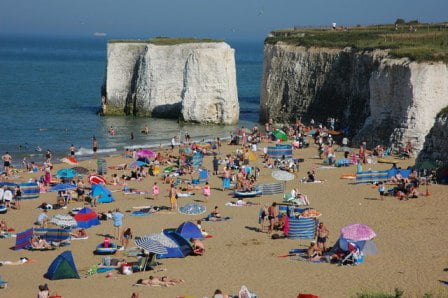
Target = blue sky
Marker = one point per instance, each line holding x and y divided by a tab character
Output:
226	19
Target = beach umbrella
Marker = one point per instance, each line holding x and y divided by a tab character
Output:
192	209
86	218
81	170
70	160
162	239
283	176
64	220
66	173
151	245
280	134
62	187
357	232
146	153
137	163
189	230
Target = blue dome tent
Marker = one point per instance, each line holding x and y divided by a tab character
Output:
104	195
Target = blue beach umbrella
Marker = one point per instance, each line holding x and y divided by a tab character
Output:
137	163
62	187
66	173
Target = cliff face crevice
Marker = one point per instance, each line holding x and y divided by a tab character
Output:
436	143
195	82
376	99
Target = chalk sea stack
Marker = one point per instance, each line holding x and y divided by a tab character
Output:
187	79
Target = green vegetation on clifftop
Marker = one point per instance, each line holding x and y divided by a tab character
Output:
167	41
421	42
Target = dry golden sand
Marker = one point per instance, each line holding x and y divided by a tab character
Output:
411	241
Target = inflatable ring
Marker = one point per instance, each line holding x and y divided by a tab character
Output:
101	250
3	209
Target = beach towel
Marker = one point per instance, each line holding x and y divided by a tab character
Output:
142	212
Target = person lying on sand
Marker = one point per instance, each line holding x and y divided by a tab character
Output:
156	281
21	261
81	233
198	246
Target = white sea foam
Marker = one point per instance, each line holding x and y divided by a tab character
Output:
84	151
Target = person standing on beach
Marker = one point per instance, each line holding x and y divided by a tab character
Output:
173	197
272	216
94	145
72	150
215	165
17	197
173	143
48	156
117	217
155	191
7	159
322	236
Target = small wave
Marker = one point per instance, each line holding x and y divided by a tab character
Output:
85	151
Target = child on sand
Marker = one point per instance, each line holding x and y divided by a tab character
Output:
381	190
206	191
155	191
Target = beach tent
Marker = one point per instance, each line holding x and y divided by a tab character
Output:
87	218
104	195
50	235
279	150
189	230
30	190
63	267
176	245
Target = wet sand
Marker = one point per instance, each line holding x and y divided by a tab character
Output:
411	238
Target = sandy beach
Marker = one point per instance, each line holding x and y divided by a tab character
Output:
411	239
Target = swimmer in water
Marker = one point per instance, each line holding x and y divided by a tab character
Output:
38	149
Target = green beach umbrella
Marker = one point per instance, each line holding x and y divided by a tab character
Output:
280	134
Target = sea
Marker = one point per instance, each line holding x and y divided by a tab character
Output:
50	95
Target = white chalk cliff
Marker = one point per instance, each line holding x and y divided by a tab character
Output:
195	82
378	99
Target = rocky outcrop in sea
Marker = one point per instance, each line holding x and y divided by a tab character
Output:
193	82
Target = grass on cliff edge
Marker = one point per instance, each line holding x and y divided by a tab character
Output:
167	41
427	42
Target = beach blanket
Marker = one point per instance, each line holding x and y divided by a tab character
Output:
299	254
142	212
217	220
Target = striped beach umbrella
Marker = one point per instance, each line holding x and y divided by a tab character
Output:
64	220
151	245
